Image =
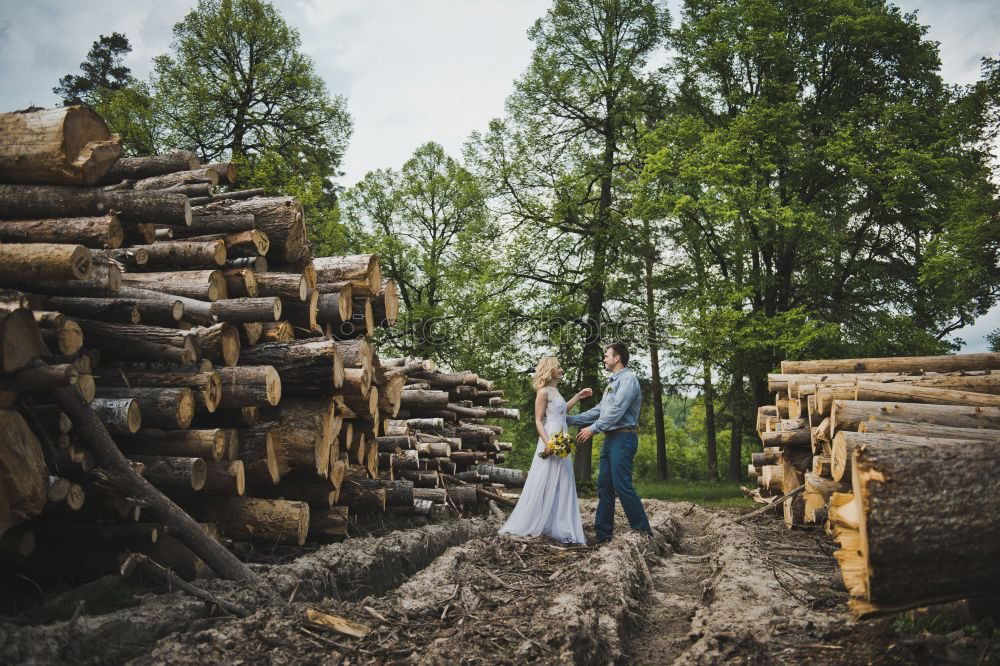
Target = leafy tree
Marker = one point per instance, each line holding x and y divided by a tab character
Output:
554	166
236	87
428	223
102	71
820	184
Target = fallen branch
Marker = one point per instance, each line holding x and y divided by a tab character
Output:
172	580
497	498
773	504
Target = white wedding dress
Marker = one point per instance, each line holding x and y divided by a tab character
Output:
548	503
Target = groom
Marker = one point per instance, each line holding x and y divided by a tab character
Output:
616	417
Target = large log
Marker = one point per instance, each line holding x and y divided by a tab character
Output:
173	473
928	430
169	180
49	201
282	219
209	444
167	408
818	492
334	309
310	428
149	342
926	524
20	340
23	474
137	168
94	232
23	263
204	285
908	392
111	310
249	385
359	267
848	414
119	415
218	222
503	475
239	244
247	310
306	366
424	399
219	343
385	305
302	314
206	386
949	363
287	285
262	520
68	145
185	253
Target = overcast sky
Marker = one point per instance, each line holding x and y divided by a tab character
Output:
412	70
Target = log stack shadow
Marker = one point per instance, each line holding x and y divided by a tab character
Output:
899	459
233	369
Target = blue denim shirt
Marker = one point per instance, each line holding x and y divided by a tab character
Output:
619	406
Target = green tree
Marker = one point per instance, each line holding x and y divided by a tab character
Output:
428	223
237	87
102	71
555	165
828	181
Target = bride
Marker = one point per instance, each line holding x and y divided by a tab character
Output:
548	503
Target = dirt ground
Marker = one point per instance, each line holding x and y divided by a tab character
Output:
705	591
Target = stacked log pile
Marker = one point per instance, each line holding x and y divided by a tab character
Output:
899	460
229	366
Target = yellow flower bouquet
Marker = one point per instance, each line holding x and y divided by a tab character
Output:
560	444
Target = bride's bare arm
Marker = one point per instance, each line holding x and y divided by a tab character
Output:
541	400
585	393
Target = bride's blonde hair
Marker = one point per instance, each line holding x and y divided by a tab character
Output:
544	370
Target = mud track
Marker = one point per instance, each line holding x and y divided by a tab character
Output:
704	591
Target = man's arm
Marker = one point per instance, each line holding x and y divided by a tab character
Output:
624	394
584	418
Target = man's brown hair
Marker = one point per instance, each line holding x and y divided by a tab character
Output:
621	350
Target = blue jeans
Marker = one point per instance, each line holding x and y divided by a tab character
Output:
615	478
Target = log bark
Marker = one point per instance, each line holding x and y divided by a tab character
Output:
334	309
185	253
220	222
503	475
818	492
23	263
302	314
119	415
282	219
262	520
258	450
949	363
224	479
24	477
166	408
240	283
51	201
20	340
305	366
848	415
239	244
385	305
150	342
111	310
249	385
173	473
928	430
310	428
206	386
359	267
219	343
68	145
205	285
918	539
287	285
210	444
169	180
92	232
907	392
247	310
137	168
226	172
424	399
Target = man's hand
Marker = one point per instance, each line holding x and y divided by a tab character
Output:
584	434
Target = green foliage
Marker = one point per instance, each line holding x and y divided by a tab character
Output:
993	339
102	71
128	111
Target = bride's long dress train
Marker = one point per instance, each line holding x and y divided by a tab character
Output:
548	503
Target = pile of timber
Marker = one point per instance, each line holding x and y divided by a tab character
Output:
229	367
900	461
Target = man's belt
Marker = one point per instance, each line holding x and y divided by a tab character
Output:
625	429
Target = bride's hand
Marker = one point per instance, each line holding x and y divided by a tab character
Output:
584	394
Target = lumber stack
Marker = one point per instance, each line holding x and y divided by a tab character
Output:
230	367
899	458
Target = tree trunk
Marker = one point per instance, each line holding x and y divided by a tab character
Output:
286	285
167	408
219	343
359	267
262	520
385	305
111	310
306	366
204	285
119	415
206	386
23	263
928	430
248	385
169	180
281	218
848	415
24	476
68	145
907	392
185	253
310	428
51	201
173	474
708	392
151	342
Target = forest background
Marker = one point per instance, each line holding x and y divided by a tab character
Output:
722	184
